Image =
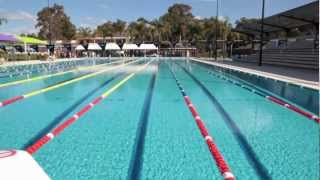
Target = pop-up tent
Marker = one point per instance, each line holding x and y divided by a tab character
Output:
94	47
8	38
130	47
80	48
30	41
148	47
112	46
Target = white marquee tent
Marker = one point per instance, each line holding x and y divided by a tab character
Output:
130	47
94	46
112	46
80	48
148	47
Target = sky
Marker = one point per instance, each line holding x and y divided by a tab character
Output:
22	15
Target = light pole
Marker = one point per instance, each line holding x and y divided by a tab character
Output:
216	33
49	28
261	33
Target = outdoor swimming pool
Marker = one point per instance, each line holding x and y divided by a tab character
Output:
144	129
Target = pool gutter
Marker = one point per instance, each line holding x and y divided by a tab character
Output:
286	79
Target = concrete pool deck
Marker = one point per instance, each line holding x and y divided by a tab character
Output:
301	77
35	62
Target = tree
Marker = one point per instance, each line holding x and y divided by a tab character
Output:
105	30
55	24
119	27
138	30
2	20
84	32
68	29
178	17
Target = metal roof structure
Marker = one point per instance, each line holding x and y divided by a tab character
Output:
307	14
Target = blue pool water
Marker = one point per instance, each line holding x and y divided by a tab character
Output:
144	130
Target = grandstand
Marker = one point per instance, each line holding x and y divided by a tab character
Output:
291	39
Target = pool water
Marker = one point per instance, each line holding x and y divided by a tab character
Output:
144	130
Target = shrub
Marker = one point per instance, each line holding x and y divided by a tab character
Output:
3	55
27	57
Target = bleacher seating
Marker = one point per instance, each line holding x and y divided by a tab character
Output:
300	44
300	58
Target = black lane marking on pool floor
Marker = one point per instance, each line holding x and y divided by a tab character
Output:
252	88
238	82
251	156
65	113
135	167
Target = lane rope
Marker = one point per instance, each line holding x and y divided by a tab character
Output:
217	156
268	97
56	131
36	92
38	68
61	116
53	75
247	149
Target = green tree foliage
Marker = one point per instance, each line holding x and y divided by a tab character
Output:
68	29
179	17
119	27
105	29
55	24
84	32
140	31
2	20
177	26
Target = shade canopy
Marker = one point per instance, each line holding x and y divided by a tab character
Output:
148	47
31	40
130	47
8	38
307	14
94	46
80	48
112	46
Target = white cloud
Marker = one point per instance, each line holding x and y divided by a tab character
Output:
222	18
198	17
24	30
18	16
104	6
89	18
91	22
18	22
85	25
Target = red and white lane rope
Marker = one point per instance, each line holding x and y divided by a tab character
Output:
271	98
294	108
220	162
59	85
56	131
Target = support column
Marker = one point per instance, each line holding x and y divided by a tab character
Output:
261	33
